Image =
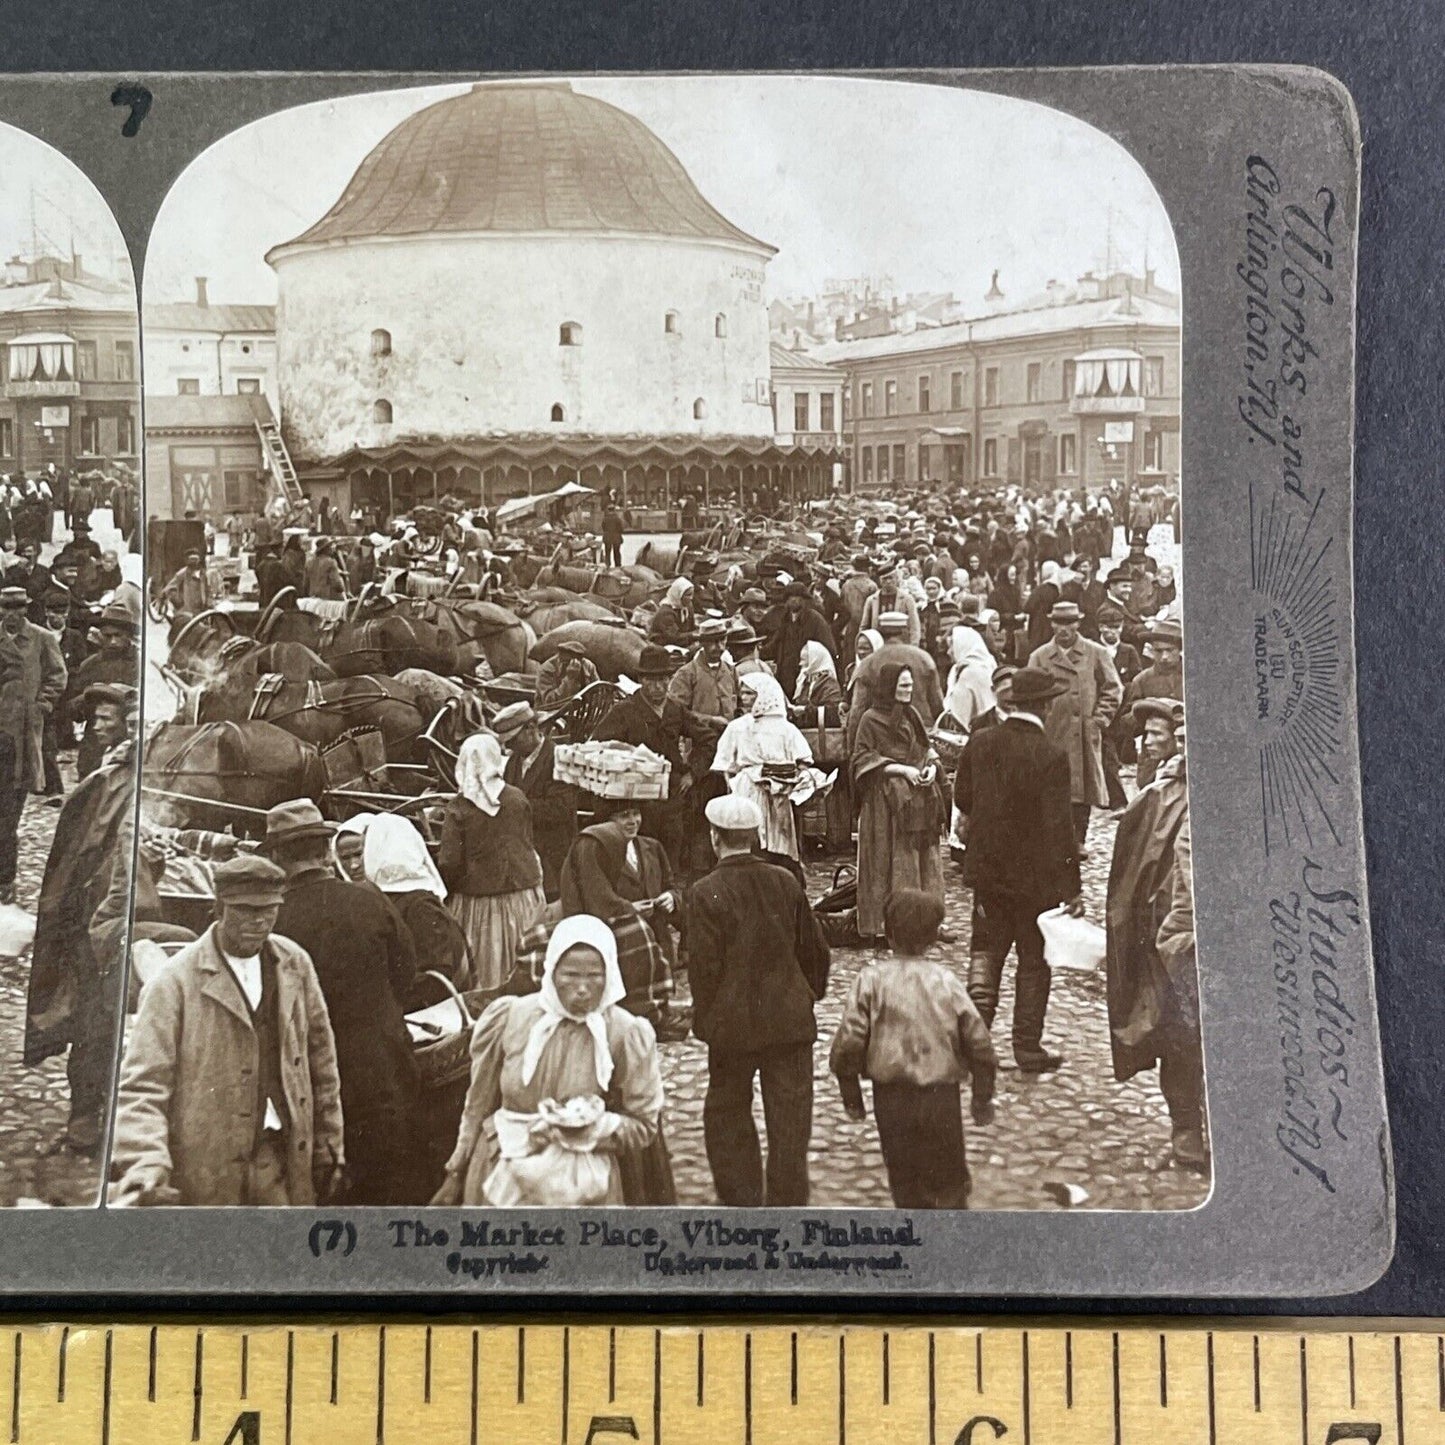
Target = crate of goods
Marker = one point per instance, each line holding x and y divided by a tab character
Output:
612	770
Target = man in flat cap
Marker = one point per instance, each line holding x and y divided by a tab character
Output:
530	759
758	962
564	675
189	591
229	1092
32	683
705	690
1078	717
365	961
114	662
324	577
853	594
1164	677
1013	785
1153	983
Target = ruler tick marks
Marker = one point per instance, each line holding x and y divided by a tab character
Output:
793	1377
245	1365
60	1369
198	1388
566	1378
15	1393
657	1387
932	1393
748	1388
522	1365
1118	1417
151	1372
381	1387
977	1361
1027	1411
335	1363
426	1370
290	1379
105	1396
1163	1374
885	1367
1399	1397
1439	1366
1068	1369
700	1367
1351	1349
842	1390
1209	1383
475	1392
611	1365
1256	1374
1304	1393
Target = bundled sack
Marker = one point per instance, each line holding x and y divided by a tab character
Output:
1072	943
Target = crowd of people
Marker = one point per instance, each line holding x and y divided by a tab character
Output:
956	680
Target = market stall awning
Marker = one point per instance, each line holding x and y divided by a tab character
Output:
518	505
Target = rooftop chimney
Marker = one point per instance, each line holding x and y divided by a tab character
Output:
994	293
201	298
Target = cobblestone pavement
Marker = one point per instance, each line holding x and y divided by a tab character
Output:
34	1103
1076	1126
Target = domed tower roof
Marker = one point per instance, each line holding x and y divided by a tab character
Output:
520	158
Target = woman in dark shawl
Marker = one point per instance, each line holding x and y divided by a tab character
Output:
901	811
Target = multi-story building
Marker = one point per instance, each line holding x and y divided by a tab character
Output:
69	372
807	402
1079	386
199	348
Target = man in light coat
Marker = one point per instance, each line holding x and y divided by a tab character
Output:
229	1093
32	682
1077	718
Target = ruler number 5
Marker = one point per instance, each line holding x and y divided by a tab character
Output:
246	1430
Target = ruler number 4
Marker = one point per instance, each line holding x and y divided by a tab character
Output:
246	1430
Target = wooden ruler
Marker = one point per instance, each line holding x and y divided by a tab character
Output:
720	1384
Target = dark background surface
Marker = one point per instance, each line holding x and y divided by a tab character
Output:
1389	55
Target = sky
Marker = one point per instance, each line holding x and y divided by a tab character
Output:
49	207
933	187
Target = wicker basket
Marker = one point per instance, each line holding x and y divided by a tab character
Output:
948	740
448	1058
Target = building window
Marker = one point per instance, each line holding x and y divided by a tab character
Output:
86	363
670	323
240	489
825	411
381	411
955	391
990	457
1154	451
867	398
990	387
559	412
125	361
867	462
1035	381
125	435
925	393
720	326
800	410
7	437
89	435
1070	371
1153	376
847	405
882	464
571	334
381	342
699	410
1068	454
890	398
900	465
188	386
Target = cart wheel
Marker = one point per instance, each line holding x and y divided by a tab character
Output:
158	607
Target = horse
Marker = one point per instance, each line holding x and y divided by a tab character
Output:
546	617
380	637
226	774
479	630
613	647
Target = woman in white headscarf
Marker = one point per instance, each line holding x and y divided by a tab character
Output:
396	861
558	1075
487	862
762	740
817	685
349	846
970	680
672	623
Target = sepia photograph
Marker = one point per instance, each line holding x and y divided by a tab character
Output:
663	629
70	624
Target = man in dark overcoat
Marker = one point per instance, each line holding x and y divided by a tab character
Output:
366	965
1164	677
757	962
1012	784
